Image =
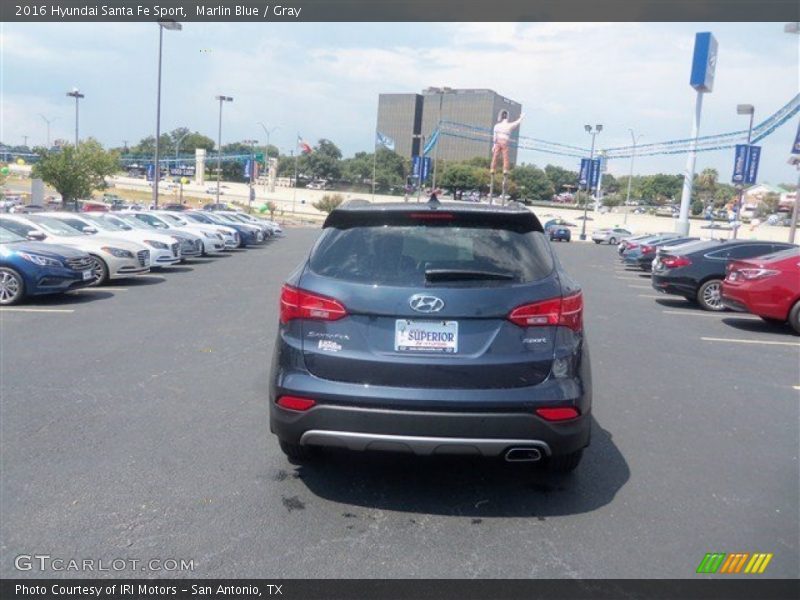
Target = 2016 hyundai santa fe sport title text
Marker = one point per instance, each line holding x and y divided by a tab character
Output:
433	329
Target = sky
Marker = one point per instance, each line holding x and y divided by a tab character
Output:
322	80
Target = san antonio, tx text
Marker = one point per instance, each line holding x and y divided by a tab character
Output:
239	591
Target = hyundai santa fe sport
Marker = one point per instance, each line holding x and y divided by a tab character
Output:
438	328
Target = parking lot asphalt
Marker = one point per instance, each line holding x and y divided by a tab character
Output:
133	424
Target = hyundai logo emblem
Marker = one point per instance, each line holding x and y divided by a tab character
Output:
426	304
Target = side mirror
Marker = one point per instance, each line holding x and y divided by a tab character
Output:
89	229
36	236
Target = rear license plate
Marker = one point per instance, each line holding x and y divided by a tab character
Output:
562	232
439	337
87	275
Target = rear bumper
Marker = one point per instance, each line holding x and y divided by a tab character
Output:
427	432
668	286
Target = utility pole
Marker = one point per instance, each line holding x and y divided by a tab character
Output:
77	95
48	121
251	190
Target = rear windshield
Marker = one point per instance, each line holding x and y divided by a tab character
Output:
403	255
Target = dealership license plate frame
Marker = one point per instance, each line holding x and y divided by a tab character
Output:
407	346
87	275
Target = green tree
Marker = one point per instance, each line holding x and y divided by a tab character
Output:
77	172
463	176
390	170
560	177
358	169
328	202
532	183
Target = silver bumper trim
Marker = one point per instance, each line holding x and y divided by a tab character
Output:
420	445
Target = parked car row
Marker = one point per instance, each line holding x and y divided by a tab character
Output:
52	252
755	276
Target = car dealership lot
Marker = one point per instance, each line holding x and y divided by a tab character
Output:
135	425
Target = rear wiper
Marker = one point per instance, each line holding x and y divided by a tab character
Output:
465	274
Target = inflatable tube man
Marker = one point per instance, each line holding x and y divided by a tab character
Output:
501	139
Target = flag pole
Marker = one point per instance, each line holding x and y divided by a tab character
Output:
294	183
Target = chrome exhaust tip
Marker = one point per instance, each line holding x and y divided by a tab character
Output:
523	455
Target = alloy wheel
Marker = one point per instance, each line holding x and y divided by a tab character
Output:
712	296
10	287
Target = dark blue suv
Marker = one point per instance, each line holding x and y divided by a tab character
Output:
441	328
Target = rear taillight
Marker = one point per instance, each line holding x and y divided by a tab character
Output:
558	414
295	403
300	304
673	262
567	311
755	273
632	245
646	249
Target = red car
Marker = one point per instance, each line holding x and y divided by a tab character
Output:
767	286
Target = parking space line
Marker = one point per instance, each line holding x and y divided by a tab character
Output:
102	289
43	310
718	315
630	278
641	287
797	387
653	296
738	341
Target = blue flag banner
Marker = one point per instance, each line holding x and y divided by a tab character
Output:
739	163
594	178
583	178
384	140
753	158
150	172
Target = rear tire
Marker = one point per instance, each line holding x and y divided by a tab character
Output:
794	317
296	452
612	241
597	241
708	296
12	286
565	463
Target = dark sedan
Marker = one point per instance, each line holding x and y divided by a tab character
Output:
648	251
696	272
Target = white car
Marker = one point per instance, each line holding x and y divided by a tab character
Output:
112	258
269	227
231	236
214	236
211	241
191	244
164	250
610	236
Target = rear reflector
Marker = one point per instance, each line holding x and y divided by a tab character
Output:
295	403
673	262
557	414
567	311
300	304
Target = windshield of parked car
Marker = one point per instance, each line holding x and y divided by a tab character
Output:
152	220
7	237
411	255
104	224
199	219
54	226
174	220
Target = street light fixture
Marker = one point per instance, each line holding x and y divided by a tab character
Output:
171	26
597	129
75	93
221	99
743	109
268	132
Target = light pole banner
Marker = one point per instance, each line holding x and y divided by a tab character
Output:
753	158
583	178
740	164
594	178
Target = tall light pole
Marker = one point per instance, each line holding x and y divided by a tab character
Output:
75	93
635	139
25	140
593	132
48	121
172	26
743	109
178	146
268	132
221	99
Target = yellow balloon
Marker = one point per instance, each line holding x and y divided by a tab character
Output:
184	180
20	161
